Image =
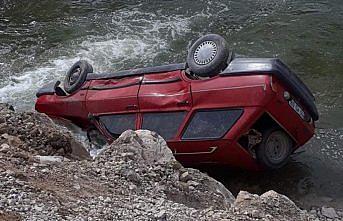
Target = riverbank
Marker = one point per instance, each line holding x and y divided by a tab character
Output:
39	44
46	174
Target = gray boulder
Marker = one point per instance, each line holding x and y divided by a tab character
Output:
147	154
270	205
329	212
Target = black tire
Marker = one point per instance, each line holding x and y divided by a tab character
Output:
208	56
76	76
274	150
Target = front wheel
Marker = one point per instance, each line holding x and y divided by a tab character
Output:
208	56
274	150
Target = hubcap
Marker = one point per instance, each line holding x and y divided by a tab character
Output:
205	52
75	75
277	147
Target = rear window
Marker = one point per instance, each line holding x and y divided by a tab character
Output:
165	124
117	124
211	124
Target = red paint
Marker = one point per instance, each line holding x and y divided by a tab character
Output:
174	91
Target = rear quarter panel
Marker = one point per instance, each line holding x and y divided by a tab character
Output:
279	109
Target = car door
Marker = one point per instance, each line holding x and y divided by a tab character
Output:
113	104
165	101
212	117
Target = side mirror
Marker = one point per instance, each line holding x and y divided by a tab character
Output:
59	90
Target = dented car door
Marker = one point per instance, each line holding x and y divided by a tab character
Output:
164	100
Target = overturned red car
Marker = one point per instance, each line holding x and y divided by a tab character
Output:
251	113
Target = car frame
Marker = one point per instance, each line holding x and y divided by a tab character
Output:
253	114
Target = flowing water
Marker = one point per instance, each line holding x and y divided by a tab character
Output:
40	40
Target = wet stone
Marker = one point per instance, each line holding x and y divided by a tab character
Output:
184	177
329	212
161	215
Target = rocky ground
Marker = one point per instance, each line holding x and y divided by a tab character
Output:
47	175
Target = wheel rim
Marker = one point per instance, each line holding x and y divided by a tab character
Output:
74	76
277	147
205	52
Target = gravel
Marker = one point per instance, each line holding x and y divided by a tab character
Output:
134	178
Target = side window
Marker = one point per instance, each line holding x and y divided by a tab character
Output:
165	124
117	124
211	124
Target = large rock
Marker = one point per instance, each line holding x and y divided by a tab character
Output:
269	205
154	147
147	147
149	160
329	212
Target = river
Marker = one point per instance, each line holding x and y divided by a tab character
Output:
40	40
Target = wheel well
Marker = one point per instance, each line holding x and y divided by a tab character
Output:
254	135
264	122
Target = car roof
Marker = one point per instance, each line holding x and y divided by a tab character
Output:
138	71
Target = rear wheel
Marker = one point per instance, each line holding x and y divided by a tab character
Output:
274	150
76	76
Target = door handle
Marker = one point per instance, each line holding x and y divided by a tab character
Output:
131	107
183	103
